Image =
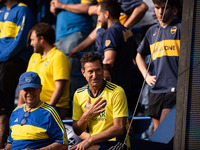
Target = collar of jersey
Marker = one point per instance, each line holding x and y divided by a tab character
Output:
34	108
100	90
115	23
174	22
50	53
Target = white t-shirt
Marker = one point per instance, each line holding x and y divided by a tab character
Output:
148	18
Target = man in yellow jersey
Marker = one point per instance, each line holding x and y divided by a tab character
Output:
100	106
35	124
52	66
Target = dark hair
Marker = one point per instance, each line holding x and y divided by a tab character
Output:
112	6
45	30
172	3
90	57
108	68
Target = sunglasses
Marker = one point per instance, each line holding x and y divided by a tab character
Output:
26	114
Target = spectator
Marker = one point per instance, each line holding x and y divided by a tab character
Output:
108	73
16	20
132	12
35	124
165	56
52	66
119	51
149	18
99	106
71	29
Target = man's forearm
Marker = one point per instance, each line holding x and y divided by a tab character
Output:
80	125
55	146
109	57
116	130
136	15
8	146
76	8
140	60
84	44
60	87
92	10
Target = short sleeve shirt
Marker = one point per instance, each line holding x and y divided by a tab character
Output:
165	55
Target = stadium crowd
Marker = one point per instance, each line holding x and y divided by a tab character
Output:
82	60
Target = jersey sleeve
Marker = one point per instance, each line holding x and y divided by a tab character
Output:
110	40
10	140
61	67
56	130
77	111
144	47
29	68
86	1
24	22
120	107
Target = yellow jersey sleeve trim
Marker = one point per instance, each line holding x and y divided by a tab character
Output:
19	107
57	119
123	18
22	4
86	1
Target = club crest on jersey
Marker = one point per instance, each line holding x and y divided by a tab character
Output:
6	15
173	29
107	43
47	62
28	79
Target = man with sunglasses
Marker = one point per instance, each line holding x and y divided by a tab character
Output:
35	124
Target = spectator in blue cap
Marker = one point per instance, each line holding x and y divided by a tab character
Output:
29	80
35	124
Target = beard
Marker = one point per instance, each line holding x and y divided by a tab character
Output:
38	49
104	25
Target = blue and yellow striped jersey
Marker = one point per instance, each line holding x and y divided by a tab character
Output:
165	55
43	127
14	28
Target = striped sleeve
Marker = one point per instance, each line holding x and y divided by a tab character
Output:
56	130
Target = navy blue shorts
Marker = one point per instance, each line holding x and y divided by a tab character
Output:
160	101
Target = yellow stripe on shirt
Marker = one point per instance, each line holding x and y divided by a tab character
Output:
27	132
165	48
8	29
